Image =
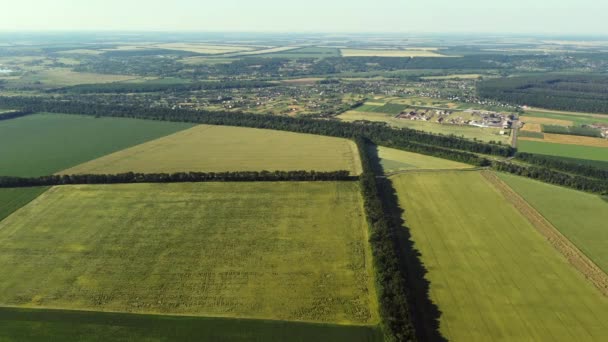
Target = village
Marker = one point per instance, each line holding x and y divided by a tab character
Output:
477	118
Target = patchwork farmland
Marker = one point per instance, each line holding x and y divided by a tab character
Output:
477	248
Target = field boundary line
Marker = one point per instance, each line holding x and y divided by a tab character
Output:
394	173
561	243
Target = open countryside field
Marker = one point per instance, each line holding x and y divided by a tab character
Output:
483	134
566	118
286	250
493	276
389	53
203	48
42	144
223	148
393	160
563	150
13	199
61	77
570	140
580	216
59	325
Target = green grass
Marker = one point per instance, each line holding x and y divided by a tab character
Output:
286	250
59	325
563	150
223	148
580	216
576	118
595	163
389	108
492	275
42	144
529	134
397	160
13	199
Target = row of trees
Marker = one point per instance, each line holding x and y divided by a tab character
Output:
599	186
179	177
392	290
585	92
444	146
563	165
15	114
152	86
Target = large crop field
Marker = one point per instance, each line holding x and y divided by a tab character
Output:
223	148
58	325
492	275
13	199
42	144
564	150
393	160
390	53
580	216
570	140
288	251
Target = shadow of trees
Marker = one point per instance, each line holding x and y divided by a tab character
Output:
425	314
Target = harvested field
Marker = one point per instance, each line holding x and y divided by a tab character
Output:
532	127
561	243
544	121
389	53
397	160
210	49
570	140
493	276
284	250
222	148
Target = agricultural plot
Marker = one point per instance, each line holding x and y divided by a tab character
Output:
42	144
223	148
13	199
390	53
285	250
393	160
492	275
204	48
565	139
470	132
387	108
580	216
59	77
307	52
58	325
563	150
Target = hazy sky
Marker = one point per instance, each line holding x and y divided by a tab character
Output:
471	16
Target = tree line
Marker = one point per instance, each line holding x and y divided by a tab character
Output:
544	174
582	93
179	177
15	114
444	146
392	290
563	165
121	88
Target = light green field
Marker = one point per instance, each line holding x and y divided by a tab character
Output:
60	77
222	148
492	275
397	160
42	144
284	250
390	53
563	150
482	134
580	216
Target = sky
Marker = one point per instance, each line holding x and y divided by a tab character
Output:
558	17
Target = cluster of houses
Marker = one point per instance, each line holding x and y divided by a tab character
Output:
483	119
602	127
491	119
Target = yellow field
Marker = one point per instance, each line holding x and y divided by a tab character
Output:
397	160
222	148
532	127
265	51
81	52
545	121
388	53
449	77
571	140
203	48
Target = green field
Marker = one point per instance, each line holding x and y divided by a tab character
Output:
42	144
470	132
224	148
13	199
492	275
397	160
576	118
307	52
286	250
58	325
388	108
580	216
563	150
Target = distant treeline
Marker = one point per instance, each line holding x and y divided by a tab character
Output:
447	147
392	290
15	114
582	93
179	177
544	174
118	88
564	165
572	130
